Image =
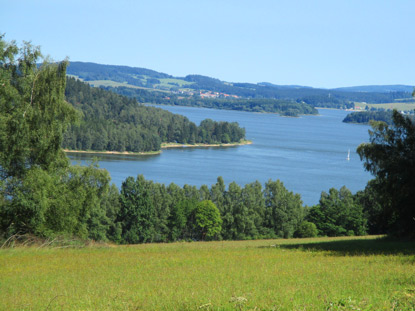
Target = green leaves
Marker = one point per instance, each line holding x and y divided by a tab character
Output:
284	210
117	123
390	158
338	214
306	230
39	192
208	220
33	111
137	212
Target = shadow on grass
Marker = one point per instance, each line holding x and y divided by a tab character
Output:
358	247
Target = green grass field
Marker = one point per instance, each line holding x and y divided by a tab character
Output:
398	105
302	274
180	82
110	83
163	83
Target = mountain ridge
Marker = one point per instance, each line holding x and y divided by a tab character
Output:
84	67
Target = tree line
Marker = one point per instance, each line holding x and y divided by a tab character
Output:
284	107
279	100
365	117
287	108
153	212
81	202
110	121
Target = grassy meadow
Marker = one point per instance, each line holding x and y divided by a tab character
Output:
163	83
110	83
397	105
180	82
366	273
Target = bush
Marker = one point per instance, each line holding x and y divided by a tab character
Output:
306	230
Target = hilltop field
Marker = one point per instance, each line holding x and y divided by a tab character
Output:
368	273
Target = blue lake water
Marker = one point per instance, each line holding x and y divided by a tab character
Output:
308	154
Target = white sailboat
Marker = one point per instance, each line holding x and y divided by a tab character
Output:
348	156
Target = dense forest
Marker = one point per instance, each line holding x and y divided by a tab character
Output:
364	117
41	194
114	122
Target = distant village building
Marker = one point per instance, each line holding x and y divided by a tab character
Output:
216	95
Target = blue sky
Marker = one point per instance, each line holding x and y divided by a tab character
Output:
315	43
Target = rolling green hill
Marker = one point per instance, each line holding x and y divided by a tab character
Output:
378	88
196	90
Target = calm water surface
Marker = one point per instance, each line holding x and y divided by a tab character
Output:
307	154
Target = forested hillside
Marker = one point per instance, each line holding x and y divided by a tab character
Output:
92	71
378	88
280	106
113	122
188	89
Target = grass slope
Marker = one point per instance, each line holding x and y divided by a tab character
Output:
110	83
397	105
303	274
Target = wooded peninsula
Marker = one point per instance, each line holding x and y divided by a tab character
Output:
112	122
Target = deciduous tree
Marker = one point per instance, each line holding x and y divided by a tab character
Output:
390	157
208	220
136	213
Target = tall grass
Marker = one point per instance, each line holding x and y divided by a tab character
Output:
303	274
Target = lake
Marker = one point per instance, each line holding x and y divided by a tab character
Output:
308	154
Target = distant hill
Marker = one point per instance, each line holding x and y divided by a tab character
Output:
93	71
284	86
378	88
133	82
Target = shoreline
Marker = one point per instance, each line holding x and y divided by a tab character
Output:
113	152
248	111
163	146
326	108
175	145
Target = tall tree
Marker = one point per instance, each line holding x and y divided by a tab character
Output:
254	201
33	111
241	223
208	220
389	156
136	213
338	214
36	182
368	199
284	210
